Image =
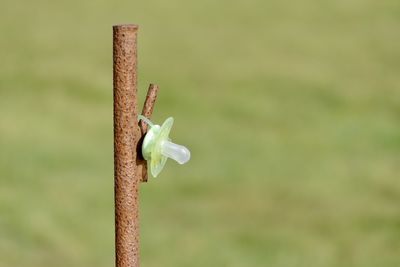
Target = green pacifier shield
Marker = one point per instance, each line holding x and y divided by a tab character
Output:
152	145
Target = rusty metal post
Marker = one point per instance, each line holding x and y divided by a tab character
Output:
126	137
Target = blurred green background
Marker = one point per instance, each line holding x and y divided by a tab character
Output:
291	110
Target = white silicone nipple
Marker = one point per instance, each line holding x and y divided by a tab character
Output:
176	152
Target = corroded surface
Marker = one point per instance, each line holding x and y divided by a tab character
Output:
126	135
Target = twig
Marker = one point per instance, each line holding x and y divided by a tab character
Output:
147	112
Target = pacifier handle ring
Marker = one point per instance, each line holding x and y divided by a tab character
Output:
146	120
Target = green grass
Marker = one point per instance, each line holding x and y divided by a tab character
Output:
291	111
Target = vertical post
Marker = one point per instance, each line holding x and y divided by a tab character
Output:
126	136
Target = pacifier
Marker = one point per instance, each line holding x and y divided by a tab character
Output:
157	146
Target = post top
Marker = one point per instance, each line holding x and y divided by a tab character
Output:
126	27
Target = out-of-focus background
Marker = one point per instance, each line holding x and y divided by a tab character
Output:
291	110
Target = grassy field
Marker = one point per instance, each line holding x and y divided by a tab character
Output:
291	110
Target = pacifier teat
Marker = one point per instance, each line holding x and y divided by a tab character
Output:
176	152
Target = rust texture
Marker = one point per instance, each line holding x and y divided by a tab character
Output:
147	112
126	137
